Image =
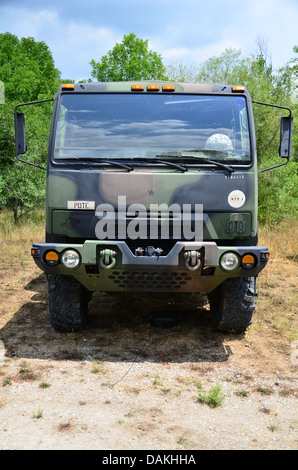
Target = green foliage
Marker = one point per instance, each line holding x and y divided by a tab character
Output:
130	60
277	188
213	399
27	69
28	72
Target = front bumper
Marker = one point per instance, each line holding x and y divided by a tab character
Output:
112	266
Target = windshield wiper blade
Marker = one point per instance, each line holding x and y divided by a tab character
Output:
203	160
179	166
103	160
117	163
213	162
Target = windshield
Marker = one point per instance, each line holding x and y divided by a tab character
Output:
145	126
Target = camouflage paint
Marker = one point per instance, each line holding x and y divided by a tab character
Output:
151	185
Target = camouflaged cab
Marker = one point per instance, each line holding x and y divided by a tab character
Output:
152	187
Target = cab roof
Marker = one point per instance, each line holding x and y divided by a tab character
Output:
155	86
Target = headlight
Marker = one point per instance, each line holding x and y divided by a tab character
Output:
229	261
70	259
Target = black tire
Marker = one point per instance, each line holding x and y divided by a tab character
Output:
232	304
68	303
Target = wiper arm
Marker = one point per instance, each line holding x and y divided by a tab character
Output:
202	160
213	162
179	166
103	160
117	163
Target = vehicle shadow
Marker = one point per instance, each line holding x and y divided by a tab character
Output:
119	329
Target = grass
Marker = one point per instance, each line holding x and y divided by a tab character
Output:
157	380
37	414
28	229
44	385
281	239
276	302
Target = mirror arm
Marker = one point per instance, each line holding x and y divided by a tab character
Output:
15	112
32	102
289	116
32	164
275	166
274	106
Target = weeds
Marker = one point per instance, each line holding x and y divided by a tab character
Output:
182	441
44	385
26	372
157	380
213	399
37	414
265	390
272	427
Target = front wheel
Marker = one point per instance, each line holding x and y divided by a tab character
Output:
232	304
68	303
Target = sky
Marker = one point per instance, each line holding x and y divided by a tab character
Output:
186	31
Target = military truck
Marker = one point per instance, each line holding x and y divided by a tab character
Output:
152	187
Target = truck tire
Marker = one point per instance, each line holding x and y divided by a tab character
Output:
68	303
232	304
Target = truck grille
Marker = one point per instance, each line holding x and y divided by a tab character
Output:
140	280
148	280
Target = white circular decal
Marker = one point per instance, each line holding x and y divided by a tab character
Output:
236	199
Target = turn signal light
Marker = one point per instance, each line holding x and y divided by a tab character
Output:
51	258
248	261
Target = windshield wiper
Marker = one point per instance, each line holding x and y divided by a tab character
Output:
203	160
130	166
213	162
102	160
179	166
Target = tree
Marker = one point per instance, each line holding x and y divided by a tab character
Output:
28	72
130	60
277	188
27	68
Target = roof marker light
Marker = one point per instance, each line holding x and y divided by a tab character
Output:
238	89
68	86
168	88
137	87
153	88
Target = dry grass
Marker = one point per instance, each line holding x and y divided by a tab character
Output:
281	240
28	229
277	283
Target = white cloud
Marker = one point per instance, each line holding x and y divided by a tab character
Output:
189	31
73	44
77	44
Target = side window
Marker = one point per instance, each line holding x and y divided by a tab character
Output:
244	129
60	138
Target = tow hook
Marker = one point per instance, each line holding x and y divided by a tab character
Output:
192	260
107	259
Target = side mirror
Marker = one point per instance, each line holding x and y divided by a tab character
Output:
286	129
20	141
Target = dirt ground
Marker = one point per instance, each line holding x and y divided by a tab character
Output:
123	385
